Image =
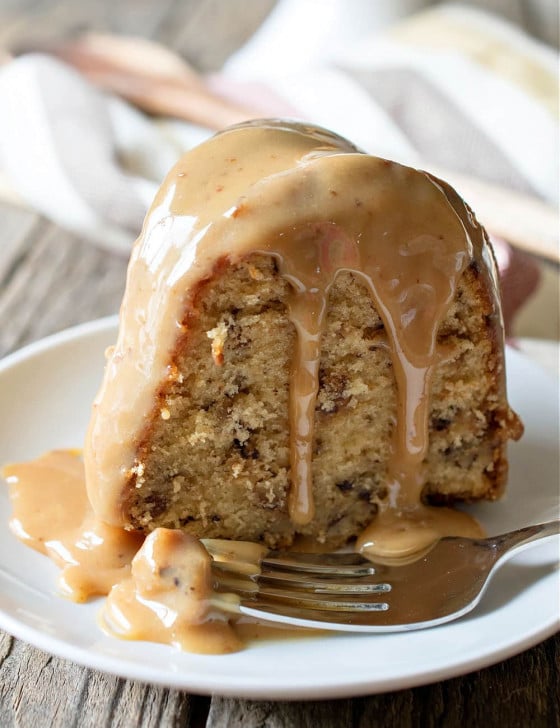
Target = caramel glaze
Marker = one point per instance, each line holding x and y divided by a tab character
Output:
159	589
318	206
51	514
169	598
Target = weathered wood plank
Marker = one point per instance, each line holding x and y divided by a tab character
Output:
38	690
58	281
231	713
522	691
15	231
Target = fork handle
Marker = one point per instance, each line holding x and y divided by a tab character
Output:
517	541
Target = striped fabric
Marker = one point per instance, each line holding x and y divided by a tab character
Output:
449	89
453	87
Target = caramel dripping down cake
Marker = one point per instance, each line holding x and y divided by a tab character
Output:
309	335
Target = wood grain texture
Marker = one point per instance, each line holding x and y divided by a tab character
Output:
512	693
39	690
51	279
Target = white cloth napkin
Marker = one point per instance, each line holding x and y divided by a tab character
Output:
87	160
455	86
452	87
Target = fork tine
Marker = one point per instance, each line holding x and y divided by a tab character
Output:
249	558
346	592
317	618
271	596
227	572
322	604
323	586
339	565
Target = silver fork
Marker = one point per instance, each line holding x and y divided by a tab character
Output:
344	591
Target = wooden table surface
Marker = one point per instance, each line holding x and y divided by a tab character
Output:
49	280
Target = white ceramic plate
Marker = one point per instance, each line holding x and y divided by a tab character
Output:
45	396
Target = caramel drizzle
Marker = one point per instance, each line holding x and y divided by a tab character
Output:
412	313
52	514
309	259
307	312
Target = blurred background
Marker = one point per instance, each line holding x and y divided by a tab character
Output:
99	98
185	25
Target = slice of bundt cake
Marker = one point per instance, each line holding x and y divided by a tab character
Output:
308	334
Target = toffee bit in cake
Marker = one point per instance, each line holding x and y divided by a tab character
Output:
345	485
138	470
255	273
173	373
218	335
246	451
372	332
237	469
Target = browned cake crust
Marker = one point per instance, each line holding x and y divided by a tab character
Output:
213	458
